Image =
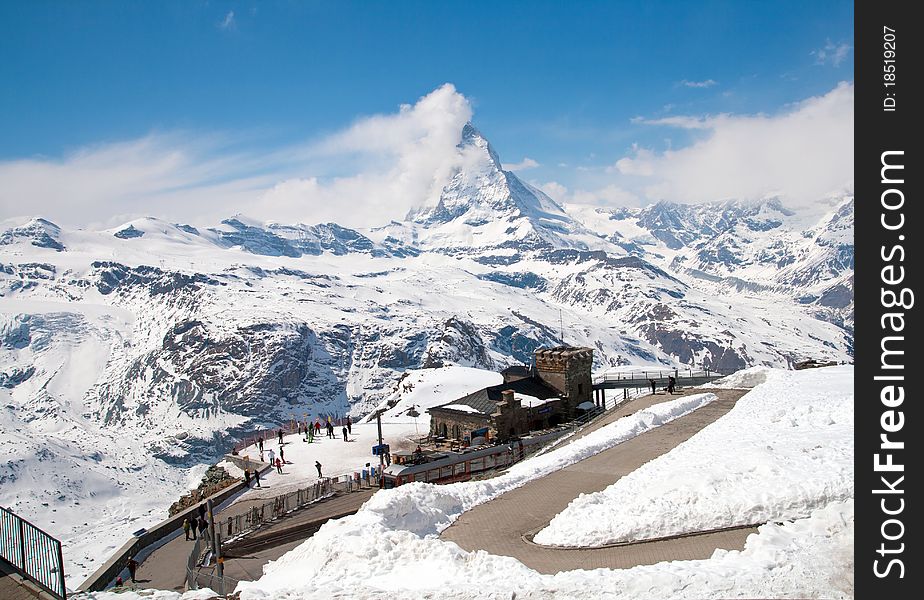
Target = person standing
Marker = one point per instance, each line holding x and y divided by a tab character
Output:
317	427
260	443
132	568
256	477
349	426
203	526
653	385
279	466
282	454
671	382
317	466
246	477
272	456
280	436
186	528
344	434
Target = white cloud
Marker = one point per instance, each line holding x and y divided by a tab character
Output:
554	190
698	84
228	23
683	122
642	163
394	162
802	154
831	53
403	161
526	163
608	195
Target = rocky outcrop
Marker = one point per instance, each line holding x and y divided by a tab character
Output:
214	480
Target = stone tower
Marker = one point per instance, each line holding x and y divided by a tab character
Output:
567	369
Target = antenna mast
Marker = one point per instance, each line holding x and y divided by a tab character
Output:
561	325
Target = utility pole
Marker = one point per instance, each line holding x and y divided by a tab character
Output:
215	548
378	422
561	325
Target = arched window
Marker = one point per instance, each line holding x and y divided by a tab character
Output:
443	430
456	432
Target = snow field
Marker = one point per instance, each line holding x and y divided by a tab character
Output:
783	451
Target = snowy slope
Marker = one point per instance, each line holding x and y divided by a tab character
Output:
785	449
742	249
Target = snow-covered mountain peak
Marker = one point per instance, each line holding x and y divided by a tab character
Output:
483	206
35	231
474	142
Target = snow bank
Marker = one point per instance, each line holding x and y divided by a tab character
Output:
426	509
810	557
395	530
783	451
744	379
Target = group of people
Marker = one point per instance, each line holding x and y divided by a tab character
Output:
269	455
191	525
273	460
671	384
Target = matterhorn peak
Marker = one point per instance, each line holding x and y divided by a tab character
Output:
474	139
483	205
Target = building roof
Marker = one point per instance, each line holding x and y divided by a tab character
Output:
516	372
485	401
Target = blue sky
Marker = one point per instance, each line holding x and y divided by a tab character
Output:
573	88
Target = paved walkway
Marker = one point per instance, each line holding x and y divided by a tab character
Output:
15	587
503	525
165	568
244	560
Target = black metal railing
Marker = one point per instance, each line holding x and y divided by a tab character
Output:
658	374
32	553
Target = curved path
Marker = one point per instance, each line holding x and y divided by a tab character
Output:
504	525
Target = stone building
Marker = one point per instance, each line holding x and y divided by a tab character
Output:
557	382
567	369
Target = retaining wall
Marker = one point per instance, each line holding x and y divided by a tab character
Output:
101	578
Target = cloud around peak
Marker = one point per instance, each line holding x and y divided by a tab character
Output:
378	167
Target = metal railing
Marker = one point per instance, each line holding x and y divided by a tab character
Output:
192	562
32	553
238	526
220	584
272	509
658	374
